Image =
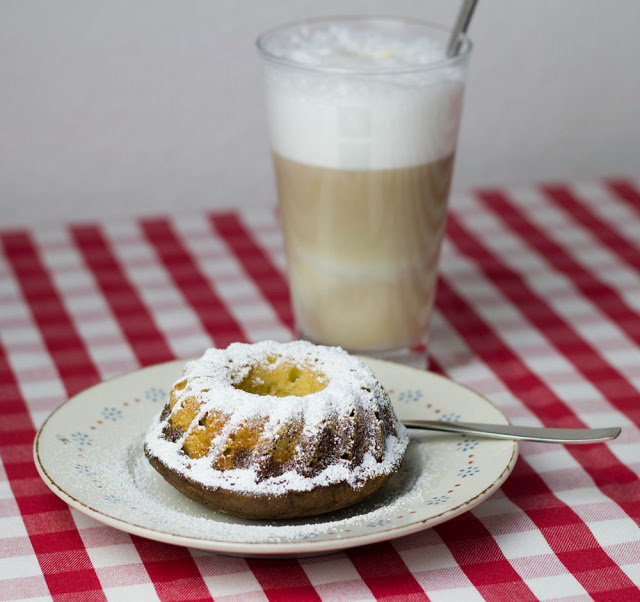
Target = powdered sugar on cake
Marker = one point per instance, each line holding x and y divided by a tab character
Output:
350	385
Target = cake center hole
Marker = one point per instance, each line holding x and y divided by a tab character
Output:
282	380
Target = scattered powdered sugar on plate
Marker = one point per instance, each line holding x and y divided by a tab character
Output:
169	511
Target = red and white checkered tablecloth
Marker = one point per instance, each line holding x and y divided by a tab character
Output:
538	309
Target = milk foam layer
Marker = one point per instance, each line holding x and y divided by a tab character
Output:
355	46
359	115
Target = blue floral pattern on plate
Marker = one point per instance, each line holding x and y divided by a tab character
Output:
113	414
449	417
438	499
155	394
469	471
113	499
81	439
410	396
85	469
467	444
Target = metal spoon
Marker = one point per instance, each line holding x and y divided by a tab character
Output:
461	26
526	433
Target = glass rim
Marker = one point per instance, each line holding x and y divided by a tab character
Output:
463	53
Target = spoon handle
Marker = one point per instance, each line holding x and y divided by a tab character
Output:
527	433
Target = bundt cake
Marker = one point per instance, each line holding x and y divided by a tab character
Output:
276	430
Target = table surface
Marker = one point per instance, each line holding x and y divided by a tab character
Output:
538	308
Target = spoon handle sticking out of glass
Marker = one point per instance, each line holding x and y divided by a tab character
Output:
526	433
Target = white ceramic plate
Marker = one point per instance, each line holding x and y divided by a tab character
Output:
89	452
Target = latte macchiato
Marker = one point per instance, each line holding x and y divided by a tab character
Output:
363	117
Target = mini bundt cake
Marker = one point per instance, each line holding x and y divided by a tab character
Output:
276	430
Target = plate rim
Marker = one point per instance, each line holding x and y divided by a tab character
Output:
283	549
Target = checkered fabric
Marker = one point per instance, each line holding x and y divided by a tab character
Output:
538	308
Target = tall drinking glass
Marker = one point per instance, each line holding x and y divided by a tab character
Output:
364	115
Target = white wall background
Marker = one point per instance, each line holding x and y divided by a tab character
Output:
120	108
